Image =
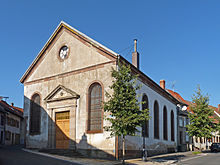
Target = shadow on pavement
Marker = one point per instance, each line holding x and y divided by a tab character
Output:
166	158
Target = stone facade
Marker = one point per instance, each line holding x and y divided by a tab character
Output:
63	85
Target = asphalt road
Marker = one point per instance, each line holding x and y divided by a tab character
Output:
16	156
209	159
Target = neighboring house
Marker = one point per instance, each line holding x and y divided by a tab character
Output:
2	125
64	88
12	124
184	141
193	143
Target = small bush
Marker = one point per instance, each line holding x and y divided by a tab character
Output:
197	152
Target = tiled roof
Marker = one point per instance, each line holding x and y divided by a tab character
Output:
17	108
177	96
9	108
189	103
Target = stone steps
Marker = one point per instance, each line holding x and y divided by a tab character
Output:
62	152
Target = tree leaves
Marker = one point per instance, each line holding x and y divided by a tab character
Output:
123	105
201	121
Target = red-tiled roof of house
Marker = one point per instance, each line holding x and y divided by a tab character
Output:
177	96
189	103
16	110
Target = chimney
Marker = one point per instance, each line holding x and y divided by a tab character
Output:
135	55
12	104
162	84
218	108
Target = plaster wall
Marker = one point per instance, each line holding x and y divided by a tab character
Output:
80	55
78	83
14	130
154	145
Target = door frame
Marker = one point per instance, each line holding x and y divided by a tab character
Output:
58	100
52	123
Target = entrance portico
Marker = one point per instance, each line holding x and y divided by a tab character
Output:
61	106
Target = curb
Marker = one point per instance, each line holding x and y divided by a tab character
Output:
50	156
67	159
194	157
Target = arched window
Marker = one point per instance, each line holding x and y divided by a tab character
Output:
145	128
156	120
95	108
172	125
164	123
35	114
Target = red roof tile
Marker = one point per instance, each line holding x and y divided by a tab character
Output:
16	110
189	103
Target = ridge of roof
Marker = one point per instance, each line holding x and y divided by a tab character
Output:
177	96
153	83
62	24
84	35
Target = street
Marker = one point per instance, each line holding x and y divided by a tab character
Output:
209	159
15	156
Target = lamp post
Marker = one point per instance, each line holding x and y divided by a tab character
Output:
144	154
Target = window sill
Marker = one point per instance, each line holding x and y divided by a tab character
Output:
93	132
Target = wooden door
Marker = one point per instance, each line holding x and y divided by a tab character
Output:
62	130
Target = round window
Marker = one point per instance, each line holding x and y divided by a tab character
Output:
64	52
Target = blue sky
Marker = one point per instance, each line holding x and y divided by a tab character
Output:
178	40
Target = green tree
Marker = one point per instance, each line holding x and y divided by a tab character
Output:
122	106
201	123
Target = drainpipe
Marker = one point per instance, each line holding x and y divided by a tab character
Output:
117	137
144	155
177	117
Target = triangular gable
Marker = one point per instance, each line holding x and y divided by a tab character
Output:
62	24
61	93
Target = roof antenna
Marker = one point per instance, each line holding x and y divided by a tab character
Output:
173	85
5	98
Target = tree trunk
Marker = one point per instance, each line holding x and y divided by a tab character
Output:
123	150
206	143
200	146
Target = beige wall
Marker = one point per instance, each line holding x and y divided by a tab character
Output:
80	56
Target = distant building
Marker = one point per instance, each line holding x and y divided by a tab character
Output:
2	124
184	141
11	124
193	143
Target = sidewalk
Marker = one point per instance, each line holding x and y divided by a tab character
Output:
154	160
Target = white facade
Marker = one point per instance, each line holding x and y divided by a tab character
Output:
152	145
